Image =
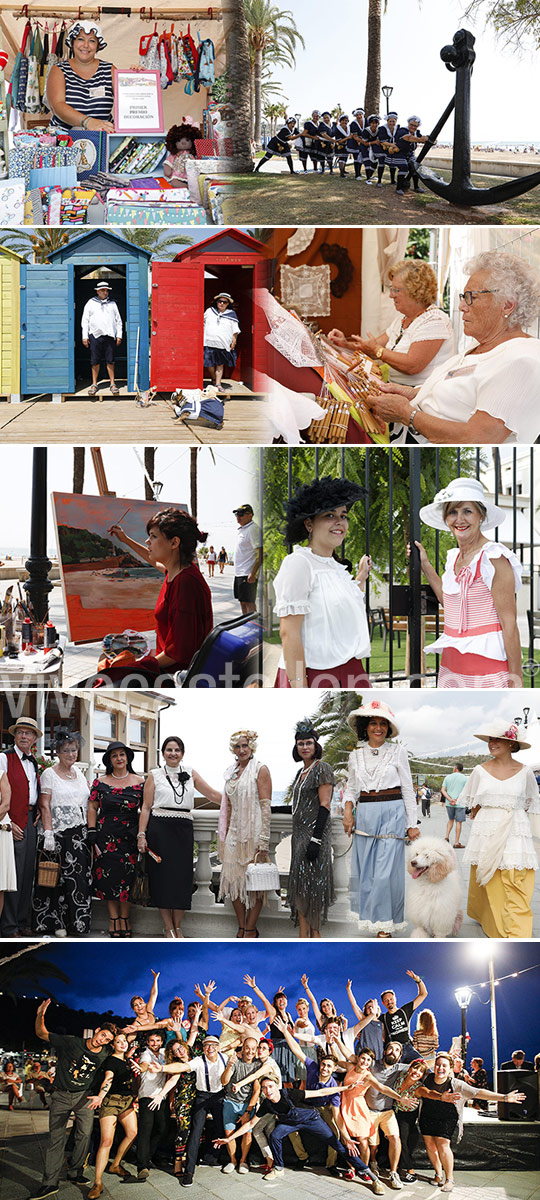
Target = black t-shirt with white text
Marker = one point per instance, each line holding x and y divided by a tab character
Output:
396	1024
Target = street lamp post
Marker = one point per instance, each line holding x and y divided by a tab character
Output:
463	996
387	92
38	565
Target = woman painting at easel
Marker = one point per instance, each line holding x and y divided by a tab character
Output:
183	612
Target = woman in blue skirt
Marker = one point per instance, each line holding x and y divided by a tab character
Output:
221	331
380	811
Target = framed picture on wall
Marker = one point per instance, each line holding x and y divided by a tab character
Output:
137	102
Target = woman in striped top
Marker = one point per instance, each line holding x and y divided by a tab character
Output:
426	1036
480	644
80	92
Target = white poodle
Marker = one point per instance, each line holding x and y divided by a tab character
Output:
433	900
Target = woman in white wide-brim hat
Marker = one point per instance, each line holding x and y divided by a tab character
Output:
503	795
480	645
380	812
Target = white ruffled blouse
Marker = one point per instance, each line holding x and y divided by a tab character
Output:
370	771
69	799
511	802
321	590
504	382
487	645
433	325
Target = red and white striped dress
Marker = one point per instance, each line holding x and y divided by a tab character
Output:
472	645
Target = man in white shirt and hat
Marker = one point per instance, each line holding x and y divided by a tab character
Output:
247	559
102	332
208	1070
21	769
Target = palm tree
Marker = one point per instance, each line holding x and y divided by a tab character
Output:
78	469
17	968
193	498
149	466
273	112
155	240
37	246
372	97
239	49
273	36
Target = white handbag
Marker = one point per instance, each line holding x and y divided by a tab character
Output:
262	877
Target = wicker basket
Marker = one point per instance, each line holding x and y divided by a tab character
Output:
48	872
262	877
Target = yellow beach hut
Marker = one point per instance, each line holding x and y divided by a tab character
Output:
10	323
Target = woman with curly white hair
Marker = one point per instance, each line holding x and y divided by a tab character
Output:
244	829
487	394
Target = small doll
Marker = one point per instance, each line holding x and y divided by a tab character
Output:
180	142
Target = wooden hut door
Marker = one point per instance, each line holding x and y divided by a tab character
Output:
47	328
176	345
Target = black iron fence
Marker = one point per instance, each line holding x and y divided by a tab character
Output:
398	481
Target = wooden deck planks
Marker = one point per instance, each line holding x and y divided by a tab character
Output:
79	421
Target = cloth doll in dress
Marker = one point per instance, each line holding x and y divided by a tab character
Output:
180	142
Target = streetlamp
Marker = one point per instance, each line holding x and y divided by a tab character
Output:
297	119
263	134
387	92
463	996
38	565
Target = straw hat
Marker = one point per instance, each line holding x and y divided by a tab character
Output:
375	708
26	723
509	733
457	491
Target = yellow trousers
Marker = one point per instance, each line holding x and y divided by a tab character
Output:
503	906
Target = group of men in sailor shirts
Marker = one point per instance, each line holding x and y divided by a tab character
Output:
372	144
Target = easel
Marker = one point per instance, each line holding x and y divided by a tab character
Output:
99	469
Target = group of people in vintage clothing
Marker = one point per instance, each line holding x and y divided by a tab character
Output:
371	143
103	835
480	646
283	1087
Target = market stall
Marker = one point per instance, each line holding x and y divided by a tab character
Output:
169	76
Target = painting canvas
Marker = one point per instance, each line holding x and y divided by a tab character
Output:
107	587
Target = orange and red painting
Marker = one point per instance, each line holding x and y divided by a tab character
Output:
107	586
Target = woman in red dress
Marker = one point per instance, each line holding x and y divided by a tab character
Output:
183	611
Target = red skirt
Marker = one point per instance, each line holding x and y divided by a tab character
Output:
348	675
471	671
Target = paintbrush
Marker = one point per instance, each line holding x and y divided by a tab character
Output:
128	510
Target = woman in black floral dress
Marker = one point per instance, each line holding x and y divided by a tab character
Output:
113	818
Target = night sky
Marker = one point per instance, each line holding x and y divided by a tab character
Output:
104	976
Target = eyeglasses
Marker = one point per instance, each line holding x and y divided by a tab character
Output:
468	297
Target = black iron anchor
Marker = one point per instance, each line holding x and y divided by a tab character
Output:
459	58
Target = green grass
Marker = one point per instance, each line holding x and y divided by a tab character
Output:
329	200
379	658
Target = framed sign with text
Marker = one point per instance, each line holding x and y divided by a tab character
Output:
137	102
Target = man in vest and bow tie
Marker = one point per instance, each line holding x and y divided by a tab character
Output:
22	771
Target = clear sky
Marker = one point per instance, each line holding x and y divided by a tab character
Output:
225	481
332	68
431	723
105	977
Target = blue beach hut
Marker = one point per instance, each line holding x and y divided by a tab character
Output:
53	296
